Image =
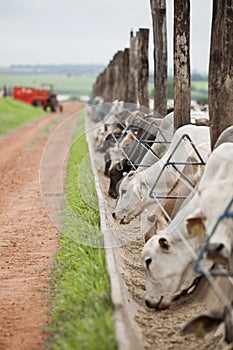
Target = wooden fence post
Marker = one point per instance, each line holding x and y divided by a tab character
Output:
182	96
158	10
143	67
132	77
125	75
221	69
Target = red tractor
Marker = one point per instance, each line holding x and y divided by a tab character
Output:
37	97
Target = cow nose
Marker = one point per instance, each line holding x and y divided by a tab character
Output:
215	250
220	247
114	215
215	247
153	305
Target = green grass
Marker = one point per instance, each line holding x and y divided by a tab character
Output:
65	84
82	310
15	113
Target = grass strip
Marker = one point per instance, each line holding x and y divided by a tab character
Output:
81	305
15	113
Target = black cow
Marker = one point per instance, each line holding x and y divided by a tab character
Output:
116	174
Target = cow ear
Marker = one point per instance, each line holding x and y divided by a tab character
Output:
195	224
138	190
119	166
164	244
203	324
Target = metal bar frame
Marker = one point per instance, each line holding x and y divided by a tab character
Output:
174	165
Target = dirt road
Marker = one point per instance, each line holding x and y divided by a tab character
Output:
28	238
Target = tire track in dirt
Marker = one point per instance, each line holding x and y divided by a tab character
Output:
28	238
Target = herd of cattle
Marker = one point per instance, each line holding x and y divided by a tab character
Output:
183	194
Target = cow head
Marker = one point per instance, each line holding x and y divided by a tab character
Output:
168	260
133	193
116	174
203	219
107	135
165	266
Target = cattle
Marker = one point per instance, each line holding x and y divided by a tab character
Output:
225	136
114	129
116	153
110	137
134	188
210	320
116	174
99	109
214	194
161	144
199	118
158	218
169	255
202	122
117	107
168	260
140	141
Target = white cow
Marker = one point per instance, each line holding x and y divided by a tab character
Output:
168	260
225	136
158	219
116	108
159	148
214	197
134	188
168	256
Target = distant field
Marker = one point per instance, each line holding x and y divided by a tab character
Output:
80	85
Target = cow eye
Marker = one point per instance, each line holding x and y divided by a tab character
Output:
123	192
148	262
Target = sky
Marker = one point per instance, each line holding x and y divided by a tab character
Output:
90	31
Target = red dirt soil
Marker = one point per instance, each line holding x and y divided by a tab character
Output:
28	238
